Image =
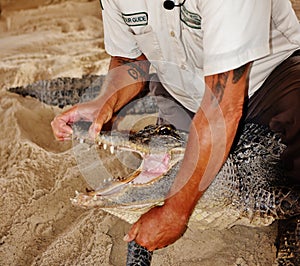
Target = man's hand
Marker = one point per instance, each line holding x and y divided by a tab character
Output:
158	228
90	111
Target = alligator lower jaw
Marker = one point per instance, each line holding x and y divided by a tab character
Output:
152	168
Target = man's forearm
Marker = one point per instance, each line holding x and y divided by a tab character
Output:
204	157
211	136
125	79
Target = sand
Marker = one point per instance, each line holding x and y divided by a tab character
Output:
44	39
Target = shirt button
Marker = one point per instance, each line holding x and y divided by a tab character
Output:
183	67
172	33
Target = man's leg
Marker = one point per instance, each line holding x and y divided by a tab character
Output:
277	105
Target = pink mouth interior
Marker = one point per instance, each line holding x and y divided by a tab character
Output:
154	165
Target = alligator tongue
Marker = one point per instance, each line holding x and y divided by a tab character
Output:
154	165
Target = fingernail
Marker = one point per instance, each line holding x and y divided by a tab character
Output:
126	238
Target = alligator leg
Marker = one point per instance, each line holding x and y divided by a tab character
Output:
138	255
288	245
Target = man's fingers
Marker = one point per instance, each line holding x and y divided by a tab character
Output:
132	234
60	128
88	112
96	126
95	129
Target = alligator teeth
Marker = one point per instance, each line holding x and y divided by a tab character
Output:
74	201
95	197
112	149
104	146
76	193
81	141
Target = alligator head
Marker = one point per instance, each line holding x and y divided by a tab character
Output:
141	166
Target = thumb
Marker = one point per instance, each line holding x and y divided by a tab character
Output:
132	234
95	129
96	126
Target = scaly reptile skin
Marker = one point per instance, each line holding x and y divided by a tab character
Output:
138	255
69	91
288	242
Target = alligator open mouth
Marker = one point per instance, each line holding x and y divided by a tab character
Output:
143	168
136	159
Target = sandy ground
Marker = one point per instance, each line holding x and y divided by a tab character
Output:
44	39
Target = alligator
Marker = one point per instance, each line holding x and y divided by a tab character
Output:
250	189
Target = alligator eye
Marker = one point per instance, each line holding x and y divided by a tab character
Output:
166	130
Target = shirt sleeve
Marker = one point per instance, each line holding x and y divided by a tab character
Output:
118	39
235	32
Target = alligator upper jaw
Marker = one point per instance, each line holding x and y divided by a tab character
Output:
153	167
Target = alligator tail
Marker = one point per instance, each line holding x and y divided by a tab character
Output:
63	91
138	255
288	242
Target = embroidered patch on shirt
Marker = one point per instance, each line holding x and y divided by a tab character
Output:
191	19
136	19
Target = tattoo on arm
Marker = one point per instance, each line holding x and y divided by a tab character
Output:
135	68
238	73
220	80
218	87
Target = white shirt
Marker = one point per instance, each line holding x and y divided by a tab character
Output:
202	38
